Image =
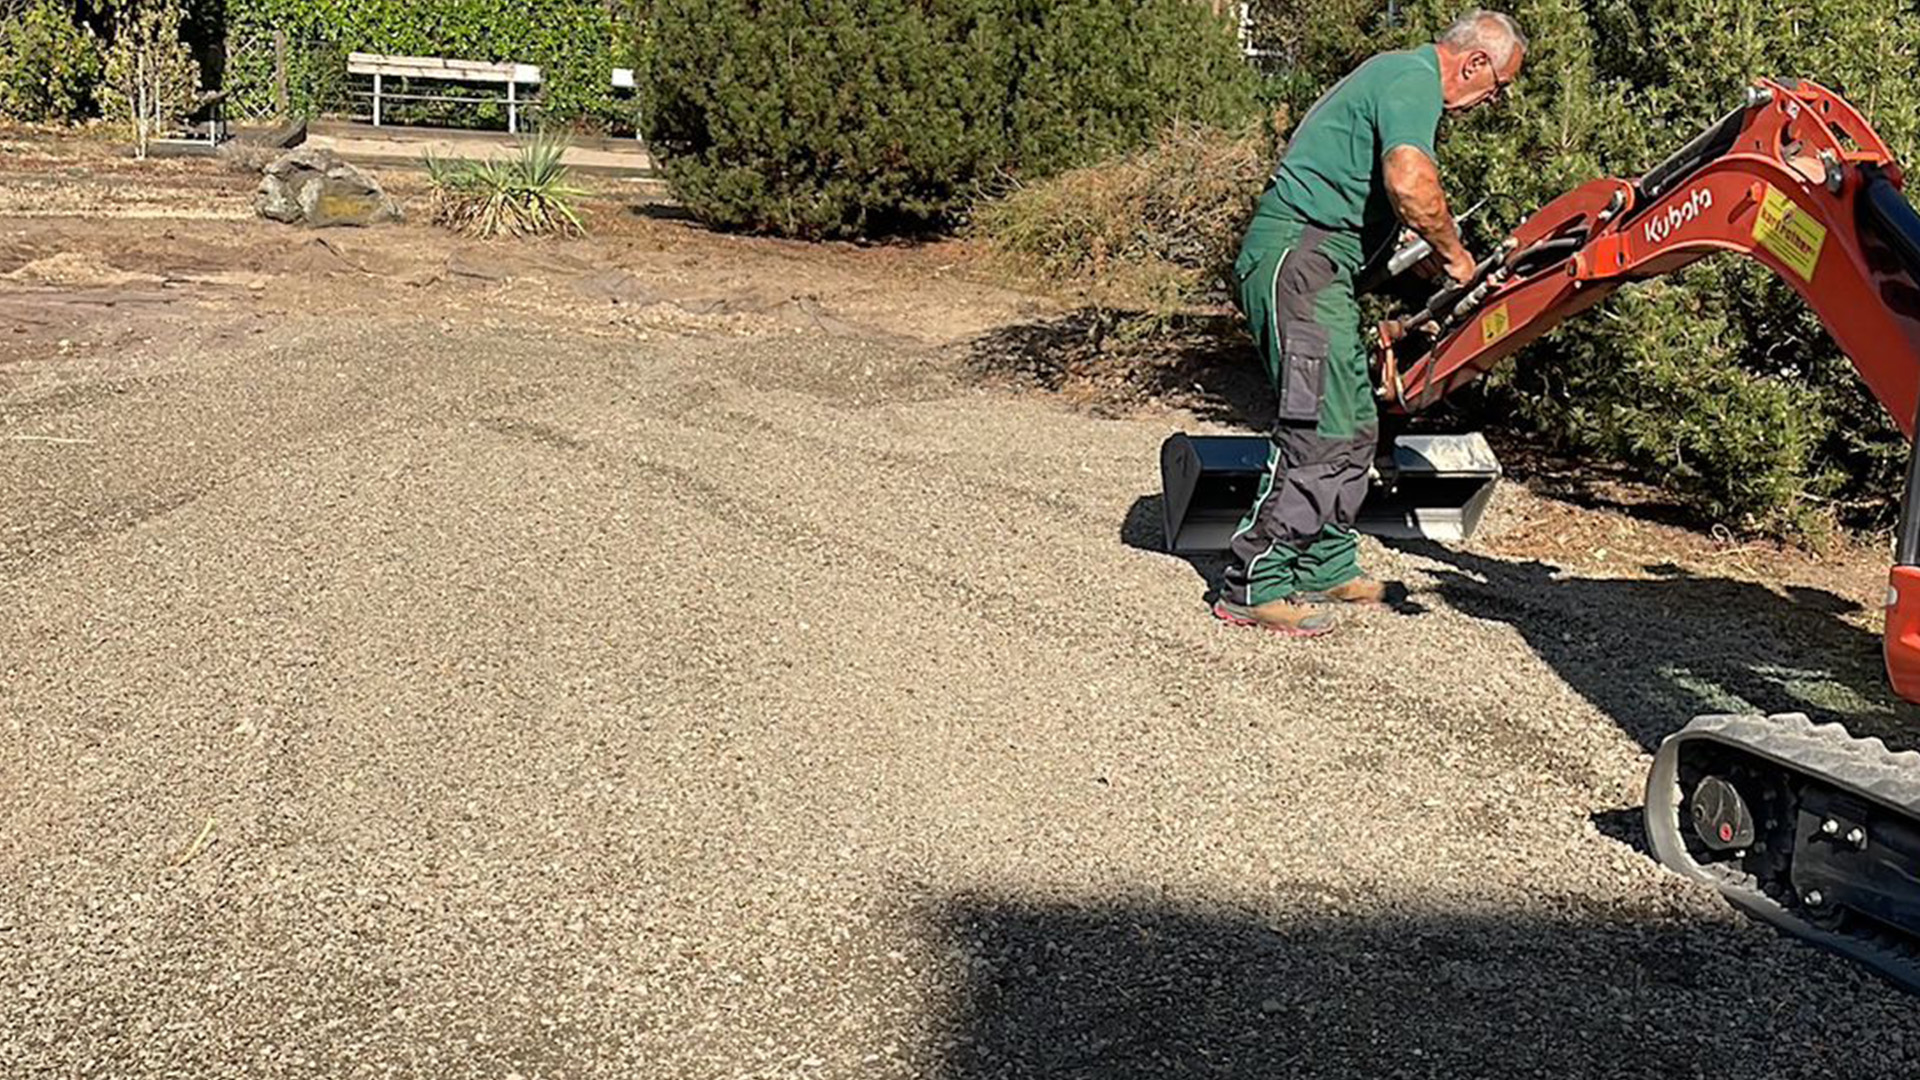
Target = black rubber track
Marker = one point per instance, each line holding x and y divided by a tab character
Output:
1825	752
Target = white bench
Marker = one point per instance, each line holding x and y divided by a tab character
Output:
625	79
438	69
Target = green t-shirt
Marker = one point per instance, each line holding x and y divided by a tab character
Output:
1331	174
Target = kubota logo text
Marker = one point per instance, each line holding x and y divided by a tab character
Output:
1664	225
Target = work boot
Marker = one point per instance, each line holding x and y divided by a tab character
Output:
1360	590
1276	616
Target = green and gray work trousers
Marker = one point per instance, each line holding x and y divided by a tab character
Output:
1295	286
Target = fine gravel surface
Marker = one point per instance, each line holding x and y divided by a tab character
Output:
389	697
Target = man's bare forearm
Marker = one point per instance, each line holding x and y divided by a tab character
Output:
1413	186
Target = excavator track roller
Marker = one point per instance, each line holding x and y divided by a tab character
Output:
1720	816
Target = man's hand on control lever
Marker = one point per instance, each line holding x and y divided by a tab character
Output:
1433	268
1413	185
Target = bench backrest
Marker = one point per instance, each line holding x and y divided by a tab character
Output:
434	67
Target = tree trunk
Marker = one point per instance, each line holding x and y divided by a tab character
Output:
143	78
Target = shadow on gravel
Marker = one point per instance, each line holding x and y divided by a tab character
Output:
1627	827
654	210
1125	991
1145	529
1652	654
1107	363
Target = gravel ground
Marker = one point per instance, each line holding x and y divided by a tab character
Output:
391	696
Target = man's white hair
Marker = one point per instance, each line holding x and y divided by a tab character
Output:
1495	34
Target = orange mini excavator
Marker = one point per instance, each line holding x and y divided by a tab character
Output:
1801	824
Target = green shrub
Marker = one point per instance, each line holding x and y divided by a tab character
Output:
1732	442
529	194
50	65
825	117
858	117
1298	42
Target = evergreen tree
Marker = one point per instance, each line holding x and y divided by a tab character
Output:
1096	77
859	117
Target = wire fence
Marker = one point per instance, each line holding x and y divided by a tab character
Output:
268	75
1274	33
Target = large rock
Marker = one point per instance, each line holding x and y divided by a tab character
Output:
313	187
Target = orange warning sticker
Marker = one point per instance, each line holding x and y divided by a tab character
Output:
1784	229
1496	325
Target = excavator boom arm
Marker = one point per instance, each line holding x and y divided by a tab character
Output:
1796	179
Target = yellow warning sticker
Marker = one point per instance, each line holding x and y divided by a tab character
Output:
1496	325
1789	233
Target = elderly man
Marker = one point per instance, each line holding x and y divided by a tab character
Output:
1359	166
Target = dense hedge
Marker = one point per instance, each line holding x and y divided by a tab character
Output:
577	43
1715	382
855	117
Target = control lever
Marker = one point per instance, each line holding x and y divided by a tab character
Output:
1413	251
1456	300
1408	255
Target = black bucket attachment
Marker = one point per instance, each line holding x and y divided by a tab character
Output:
1434	487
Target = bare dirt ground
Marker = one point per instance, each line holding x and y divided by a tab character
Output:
675	655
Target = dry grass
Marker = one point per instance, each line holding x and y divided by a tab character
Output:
1153	230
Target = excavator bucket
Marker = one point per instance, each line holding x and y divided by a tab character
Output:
1435	487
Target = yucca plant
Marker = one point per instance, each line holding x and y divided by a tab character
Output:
529	194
